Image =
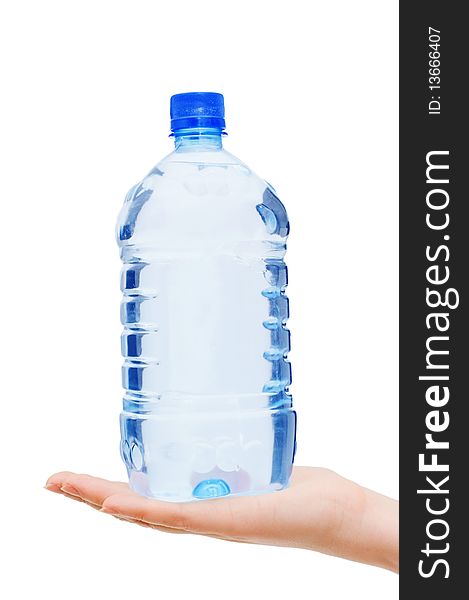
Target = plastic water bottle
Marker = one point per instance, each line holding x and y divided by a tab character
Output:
206	408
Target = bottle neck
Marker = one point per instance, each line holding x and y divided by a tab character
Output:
198	139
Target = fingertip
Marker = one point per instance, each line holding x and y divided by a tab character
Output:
57	479
70	489
113	505
52	487
107	510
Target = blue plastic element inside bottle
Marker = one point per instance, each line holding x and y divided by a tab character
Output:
211	488
206	410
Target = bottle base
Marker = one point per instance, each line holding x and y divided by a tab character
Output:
191	457
208	489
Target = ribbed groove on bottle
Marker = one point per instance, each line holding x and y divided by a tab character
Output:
141	362
140	293
142	327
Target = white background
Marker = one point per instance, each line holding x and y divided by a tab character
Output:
311	100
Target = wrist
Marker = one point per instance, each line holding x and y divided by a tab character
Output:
380	528
366	528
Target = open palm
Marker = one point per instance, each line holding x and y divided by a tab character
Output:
319	511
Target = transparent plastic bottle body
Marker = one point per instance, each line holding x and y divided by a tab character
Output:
206	408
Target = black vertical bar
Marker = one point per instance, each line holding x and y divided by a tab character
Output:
439	127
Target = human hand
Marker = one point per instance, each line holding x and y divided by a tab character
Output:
320	511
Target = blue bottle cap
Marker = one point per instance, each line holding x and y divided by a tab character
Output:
197	109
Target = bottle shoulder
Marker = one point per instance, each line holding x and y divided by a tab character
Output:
215	167
214	164
219	156
200	196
